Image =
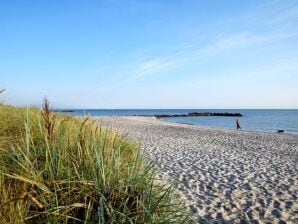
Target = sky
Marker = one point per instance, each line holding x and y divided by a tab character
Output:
149	53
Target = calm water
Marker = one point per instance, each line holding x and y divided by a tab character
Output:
256	120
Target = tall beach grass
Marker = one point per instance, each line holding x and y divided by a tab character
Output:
58	169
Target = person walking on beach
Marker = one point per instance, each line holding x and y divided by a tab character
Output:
238	124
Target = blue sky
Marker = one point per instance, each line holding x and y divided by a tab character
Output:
150	53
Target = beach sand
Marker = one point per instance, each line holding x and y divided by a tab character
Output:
223	175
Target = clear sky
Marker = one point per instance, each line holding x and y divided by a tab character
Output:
150	53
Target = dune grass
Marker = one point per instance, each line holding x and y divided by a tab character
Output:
58	169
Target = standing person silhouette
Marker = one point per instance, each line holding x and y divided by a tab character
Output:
238	124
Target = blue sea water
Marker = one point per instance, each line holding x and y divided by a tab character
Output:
253	119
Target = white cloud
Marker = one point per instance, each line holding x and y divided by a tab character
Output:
141	68
154	66
270	22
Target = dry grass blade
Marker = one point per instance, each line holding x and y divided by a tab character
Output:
48	117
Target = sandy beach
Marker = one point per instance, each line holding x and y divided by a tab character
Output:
222	174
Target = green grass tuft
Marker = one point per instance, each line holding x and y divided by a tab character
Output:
58	169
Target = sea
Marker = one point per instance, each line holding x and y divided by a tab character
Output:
268	120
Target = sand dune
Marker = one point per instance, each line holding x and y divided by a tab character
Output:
223	175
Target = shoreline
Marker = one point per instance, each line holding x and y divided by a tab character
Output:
222	174
193	125
227	128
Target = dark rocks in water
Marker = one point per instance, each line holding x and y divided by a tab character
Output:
199	114
280	131
226	114
63	111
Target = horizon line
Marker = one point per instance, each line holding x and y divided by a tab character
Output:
143	108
